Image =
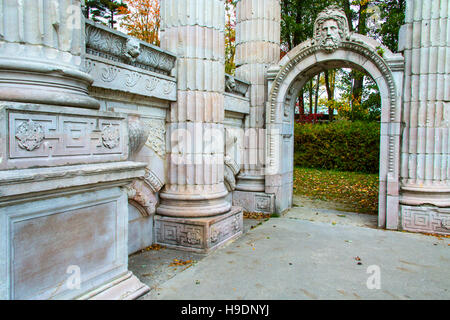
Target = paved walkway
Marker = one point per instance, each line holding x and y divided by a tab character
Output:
317	253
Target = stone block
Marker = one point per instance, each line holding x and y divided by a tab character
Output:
426	219
199	234
47	241
254	201
44	136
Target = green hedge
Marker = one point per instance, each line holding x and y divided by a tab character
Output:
340	145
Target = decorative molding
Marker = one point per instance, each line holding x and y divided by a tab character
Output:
137	136
42	136
115	76
425	219
118	47
139	193
307	51
157	136
236	86
152	180
236	104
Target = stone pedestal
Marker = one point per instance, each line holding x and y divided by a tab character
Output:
63	166
195	192
201	235
257	47
64	232
425	173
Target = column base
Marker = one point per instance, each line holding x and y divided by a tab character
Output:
254	201
127	287
250	183
425	219
202	235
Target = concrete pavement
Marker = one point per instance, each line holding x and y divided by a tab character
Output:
305	255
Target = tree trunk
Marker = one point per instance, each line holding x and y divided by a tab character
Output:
330	92
317	95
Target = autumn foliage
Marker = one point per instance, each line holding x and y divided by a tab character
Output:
141	19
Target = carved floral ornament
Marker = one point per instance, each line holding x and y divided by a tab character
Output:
110	136
30	135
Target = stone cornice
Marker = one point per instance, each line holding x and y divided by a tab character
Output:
118	47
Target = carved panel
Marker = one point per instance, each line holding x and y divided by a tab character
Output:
50	136
179	234
426	219
226	228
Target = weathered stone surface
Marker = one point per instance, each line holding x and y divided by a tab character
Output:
41	53
76	218
199	234
44	136
425	155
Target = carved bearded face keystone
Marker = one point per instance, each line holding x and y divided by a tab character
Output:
331	38
331	28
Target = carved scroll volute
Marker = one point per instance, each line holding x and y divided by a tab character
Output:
137	135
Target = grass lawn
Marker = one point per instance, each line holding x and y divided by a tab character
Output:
359	190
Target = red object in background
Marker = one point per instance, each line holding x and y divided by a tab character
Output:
310	118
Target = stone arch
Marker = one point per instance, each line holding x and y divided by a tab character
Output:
289	76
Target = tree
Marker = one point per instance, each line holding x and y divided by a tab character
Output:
103	10
141	19
230	36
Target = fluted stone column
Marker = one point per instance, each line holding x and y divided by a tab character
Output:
425	189
42	45
194	213
257	47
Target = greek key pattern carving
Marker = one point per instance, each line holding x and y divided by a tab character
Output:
178	234
54	138
426	219
226	228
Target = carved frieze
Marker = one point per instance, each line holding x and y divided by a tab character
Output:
49	136
108	75
118	47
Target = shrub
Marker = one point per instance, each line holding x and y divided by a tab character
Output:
340	145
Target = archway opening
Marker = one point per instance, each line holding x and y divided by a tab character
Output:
337	114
